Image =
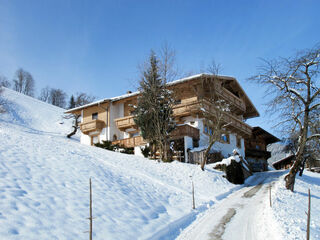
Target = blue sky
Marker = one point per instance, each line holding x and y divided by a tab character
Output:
95	46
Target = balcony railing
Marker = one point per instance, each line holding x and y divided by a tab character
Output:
233	100
125	123
180	131
130	142
92	126
187	109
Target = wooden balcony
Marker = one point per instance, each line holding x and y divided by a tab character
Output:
180	131
131	142
188	109
237	125
185	130
125	123
233	100
92	126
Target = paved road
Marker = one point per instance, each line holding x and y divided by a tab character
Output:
240	216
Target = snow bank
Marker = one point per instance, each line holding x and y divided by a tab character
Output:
44	187
289	208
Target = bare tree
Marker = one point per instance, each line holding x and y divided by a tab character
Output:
2	101
80	99
4	82
45	94
23	82
168	68
293	85
214	110
214	67
57	97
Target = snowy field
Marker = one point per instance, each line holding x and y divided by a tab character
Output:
44	187
289	209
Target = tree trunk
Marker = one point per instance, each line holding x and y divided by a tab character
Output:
73	132
205	155
290	177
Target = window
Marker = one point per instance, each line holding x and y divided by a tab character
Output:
208	130
225	138
195	143
211	131
94	116
134	134
115	137
238	142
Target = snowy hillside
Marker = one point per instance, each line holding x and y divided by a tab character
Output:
44	192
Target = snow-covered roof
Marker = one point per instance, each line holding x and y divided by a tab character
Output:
178	81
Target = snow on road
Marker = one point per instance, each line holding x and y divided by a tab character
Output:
240	216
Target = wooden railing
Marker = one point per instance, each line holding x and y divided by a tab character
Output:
125	123
94	125
232	99
187	109
180	131
131	142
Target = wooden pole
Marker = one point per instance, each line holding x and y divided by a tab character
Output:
90	218
193	202
308	220
270	196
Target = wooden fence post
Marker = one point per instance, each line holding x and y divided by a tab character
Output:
270	196
193	202
308	214
90	218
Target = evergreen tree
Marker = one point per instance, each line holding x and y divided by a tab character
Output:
153	114
72	103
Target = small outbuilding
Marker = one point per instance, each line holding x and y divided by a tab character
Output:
284	163
256	149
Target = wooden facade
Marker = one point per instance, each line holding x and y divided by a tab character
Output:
256	148
191	95
284	163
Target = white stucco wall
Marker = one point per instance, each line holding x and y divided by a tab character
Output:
225	148
85	139
116	111
103	135
137	151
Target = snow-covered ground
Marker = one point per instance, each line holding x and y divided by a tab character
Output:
289	208
246	214
44	187
44	190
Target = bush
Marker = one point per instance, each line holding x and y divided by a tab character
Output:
146	151
106	145
114	147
